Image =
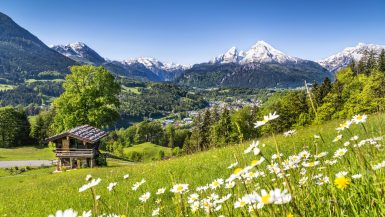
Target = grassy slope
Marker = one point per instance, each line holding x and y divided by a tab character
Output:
4	87
42	194
132	89
149	150
26	153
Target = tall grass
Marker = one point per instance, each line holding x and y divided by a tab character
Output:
307	189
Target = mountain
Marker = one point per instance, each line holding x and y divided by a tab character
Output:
343	58
262	66
79	52
143	68
165	71
23	55
260	52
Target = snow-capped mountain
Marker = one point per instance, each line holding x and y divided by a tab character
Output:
139	68
261	66
260	52
79	52
166	71
345	57
230	56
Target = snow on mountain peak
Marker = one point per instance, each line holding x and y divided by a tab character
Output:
260	52
263	52
80	52
73	49
230	56
154	64
347	55
78	45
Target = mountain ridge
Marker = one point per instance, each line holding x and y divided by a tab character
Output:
23	55
343	58
140	68
262	66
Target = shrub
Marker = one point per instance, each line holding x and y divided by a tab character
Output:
176	151
101	160
161	154
135	156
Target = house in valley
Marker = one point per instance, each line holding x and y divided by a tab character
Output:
78	147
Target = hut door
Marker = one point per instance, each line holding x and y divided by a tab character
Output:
66	144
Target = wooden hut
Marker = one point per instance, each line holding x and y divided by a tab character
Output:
77	147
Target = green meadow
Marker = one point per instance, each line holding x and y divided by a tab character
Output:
148	151
41	192
26	153
4	87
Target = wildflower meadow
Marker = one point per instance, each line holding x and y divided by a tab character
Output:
336	169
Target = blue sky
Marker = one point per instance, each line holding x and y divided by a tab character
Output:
194	31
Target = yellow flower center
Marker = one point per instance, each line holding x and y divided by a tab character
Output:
242	203
179	188
237	171
265	199
359	117
341	182
254	162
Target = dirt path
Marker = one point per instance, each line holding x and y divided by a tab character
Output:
21	163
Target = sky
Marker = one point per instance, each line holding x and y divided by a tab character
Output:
194	31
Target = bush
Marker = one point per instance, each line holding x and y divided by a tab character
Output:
176	151
161	154
101	160
135	156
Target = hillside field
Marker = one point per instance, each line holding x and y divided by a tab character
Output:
148	151
40	193
26	153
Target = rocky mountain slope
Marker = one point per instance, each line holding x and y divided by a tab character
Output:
343	58
262	66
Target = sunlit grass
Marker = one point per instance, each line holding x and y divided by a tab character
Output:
148	150
26	153
4	87
43	194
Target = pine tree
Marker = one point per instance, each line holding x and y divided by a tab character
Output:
324	89
315	92
224	128
381	61
353	67
170	133
361	66
205	130
371	62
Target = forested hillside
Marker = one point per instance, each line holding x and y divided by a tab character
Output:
23	56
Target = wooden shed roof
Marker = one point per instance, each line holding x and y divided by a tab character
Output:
85	133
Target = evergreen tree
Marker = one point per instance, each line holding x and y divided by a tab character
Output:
204	129
381	61
170	133
370	62
353	66
324	89
224	129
